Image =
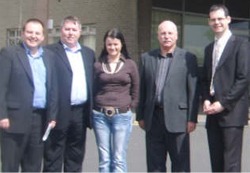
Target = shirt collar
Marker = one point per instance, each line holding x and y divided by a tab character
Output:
224	37
28	51
168	55
69	49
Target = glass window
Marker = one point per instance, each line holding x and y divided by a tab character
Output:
169	4
196	35
241	28
194	32
238	8
13	36
198	6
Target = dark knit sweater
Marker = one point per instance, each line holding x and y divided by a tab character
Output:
118	90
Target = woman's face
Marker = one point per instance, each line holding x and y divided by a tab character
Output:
113	46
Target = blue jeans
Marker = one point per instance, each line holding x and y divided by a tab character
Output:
112	137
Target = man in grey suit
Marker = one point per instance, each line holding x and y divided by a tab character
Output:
28	99
169	103
225	92
65	147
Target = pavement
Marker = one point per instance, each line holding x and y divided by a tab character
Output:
136	157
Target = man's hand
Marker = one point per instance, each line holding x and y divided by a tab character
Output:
5	123
215	108
191	126
206	106
211	109
52	124
141	124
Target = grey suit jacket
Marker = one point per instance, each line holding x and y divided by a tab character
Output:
231	81
17	88
180	93
65	81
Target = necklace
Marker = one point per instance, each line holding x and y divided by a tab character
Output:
111	68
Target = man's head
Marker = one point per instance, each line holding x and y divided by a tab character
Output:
219	19
167	35
70	31
33	33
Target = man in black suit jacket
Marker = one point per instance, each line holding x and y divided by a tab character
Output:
65	147
28	99
225	92
168	105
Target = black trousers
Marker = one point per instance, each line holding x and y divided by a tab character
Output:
23	150
225	147
65	148
160	142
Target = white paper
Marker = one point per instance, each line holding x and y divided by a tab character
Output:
47	132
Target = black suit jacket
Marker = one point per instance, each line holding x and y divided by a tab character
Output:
17	88
65	81
231	81
180	96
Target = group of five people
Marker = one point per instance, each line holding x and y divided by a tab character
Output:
61	86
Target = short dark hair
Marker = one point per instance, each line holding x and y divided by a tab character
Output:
114	33
219	7
33	20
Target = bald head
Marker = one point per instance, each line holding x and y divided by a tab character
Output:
167	24
167	36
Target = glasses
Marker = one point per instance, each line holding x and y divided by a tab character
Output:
220	19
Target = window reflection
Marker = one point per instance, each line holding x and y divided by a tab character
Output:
191	16
241	28
197	35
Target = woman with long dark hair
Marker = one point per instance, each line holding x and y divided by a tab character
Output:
115	99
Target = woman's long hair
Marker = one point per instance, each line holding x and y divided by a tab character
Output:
114	33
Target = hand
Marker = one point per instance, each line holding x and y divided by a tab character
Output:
5	123
52	124
141	124
206	106
191	126
215	108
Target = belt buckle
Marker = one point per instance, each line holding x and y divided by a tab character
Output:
109	111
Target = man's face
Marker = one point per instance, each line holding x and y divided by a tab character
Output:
70	33
218	22
33	35
167	35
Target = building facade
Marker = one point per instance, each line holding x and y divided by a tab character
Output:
97	16
138	20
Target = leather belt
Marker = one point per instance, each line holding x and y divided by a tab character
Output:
77	106
110	111
39	110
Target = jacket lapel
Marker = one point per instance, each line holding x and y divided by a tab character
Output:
153	66
62	53
21	54
47	65
86	64
174	61
226	52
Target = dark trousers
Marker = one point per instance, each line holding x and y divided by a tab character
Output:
160	142
225	146
65	148
23	150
